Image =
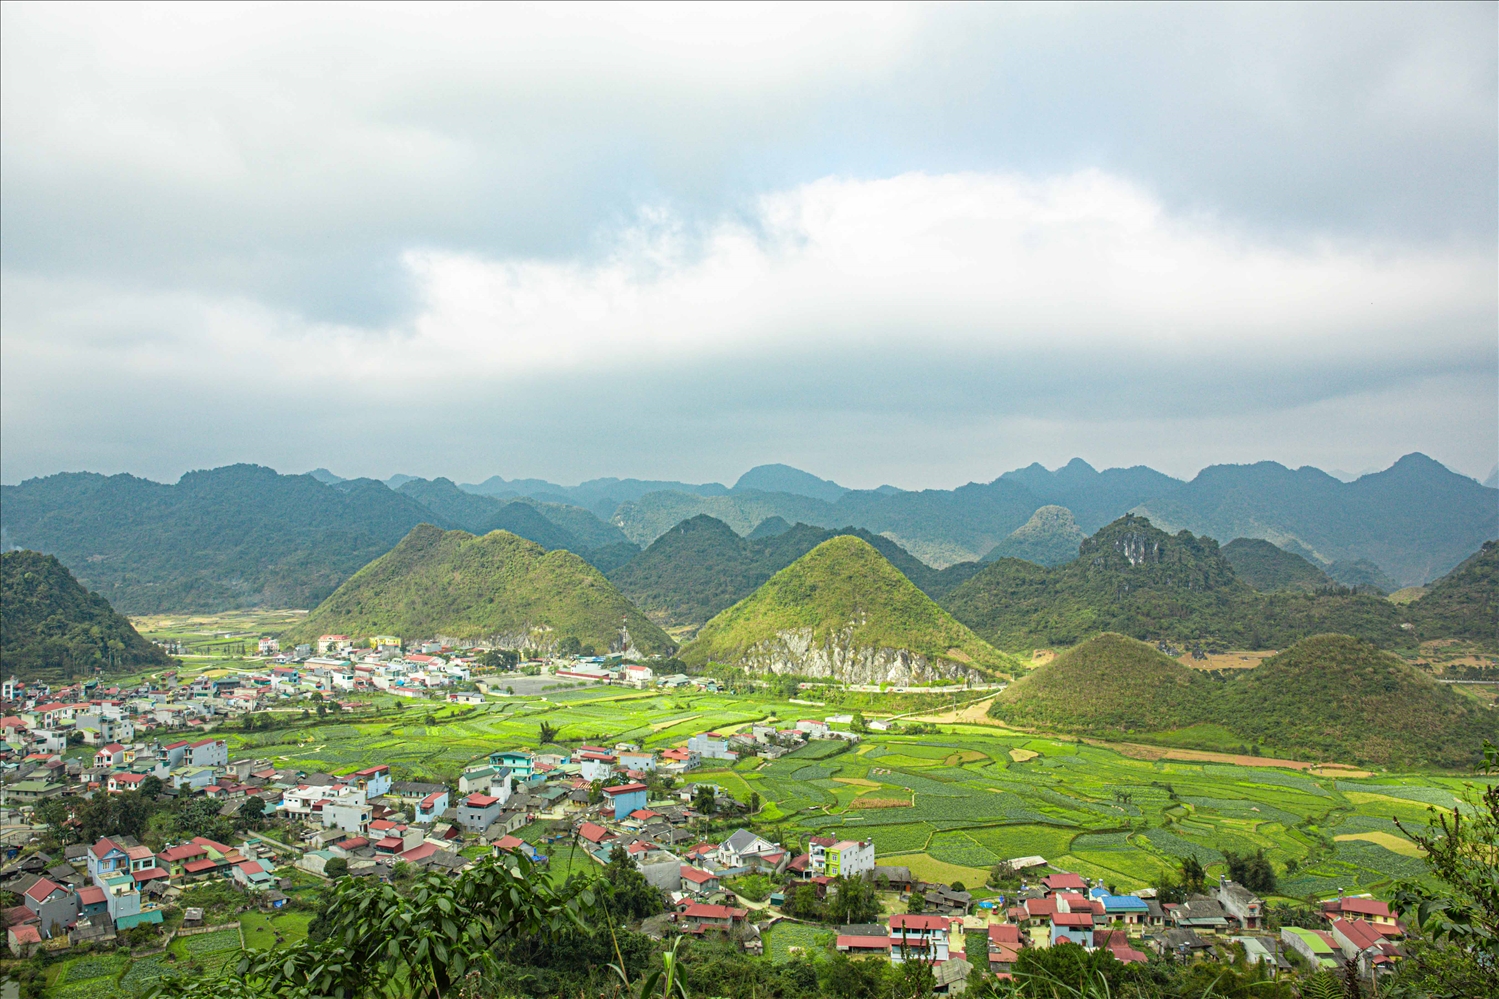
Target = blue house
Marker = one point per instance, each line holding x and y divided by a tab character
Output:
520	764
626	798
1131	909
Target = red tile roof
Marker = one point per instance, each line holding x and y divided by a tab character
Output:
594	833
91	895
199	866
907	921
702	910
697	875
509	842
1073	919
480	800
863	943
150	874
1359	906
1004	933
1059	882
41	890
624	788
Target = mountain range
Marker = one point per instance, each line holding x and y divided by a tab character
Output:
244	535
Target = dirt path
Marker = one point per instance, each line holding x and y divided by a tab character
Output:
972	713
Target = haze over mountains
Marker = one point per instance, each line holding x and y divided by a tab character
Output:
244	535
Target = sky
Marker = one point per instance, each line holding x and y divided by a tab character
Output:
916	245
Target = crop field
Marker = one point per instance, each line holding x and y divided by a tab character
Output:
963	799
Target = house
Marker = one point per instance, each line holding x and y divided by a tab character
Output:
1182	945
1239	903
636	760
119	782
208	753
737	850
1314	945
507	843
863	940
1363	908
349	814
592	832
1128	909
112	755
521	765
1005	943
699	881
848	858
1117	942
918	938
1064	882
1199	913
477	811
625	798
1262	950
373	781
1362	943
252	875
710	746
1074	927
431	807
174	859
477	779
700	916
53	906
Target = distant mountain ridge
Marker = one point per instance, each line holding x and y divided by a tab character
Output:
237	536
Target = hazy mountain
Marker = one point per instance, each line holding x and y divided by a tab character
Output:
236	536
1136	579
843	611
550	525
1095	498
785	479
52	629
1327	697
1493	480
601	496
702	566
498	587
1050	537
1270	569
1415	520
1360	573
769	528
326	477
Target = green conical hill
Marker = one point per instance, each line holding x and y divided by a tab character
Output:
52	629
1270	569
1109	682
496	587
843	611
1347	700
1464	603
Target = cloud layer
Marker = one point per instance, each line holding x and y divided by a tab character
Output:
919	246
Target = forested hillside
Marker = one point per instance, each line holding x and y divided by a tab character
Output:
496	587
843	611
1327	697
1050	537
236	536
1270	569
1136	579
52	629
1464	603
702	566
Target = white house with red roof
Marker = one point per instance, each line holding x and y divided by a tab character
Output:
119	782
695	917
431	807
477	812
1364	908
112	755
699	881
1361	942
920	937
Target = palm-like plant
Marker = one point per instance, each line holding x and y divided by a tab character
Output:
663	983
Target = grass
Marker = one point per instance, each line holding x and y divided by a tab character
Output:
785	935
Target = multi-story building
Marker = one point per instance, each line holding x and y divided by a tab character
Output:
919	938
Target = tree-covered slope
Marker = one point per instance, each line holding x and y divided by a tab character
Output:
1346	700
842	610
1328	697
1464	603
498	587
52	629
702	566
1137	580
1270	569
236	536
1050	537
1109	682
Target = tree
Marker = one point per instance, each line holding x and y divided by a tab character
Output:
1193	876
754	802
626	893
569	646
151	786
916	904
705	799
336	868
548	733
1464	916
852	900
424	939
1253	872
252	813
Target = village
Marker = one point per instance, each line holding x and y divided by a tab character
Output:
693	842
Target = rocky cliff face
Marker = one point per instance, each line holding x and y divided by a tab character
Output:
839	658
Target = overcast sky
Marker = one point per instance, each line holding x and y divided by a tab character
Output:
915	245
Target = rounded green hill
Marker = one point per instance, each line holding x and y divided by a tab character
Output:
843	611
497	587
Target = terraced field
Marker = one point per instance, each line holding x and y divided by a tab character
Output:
966	798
